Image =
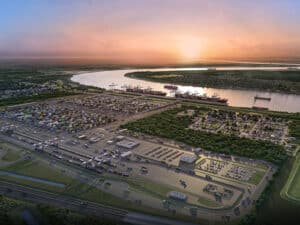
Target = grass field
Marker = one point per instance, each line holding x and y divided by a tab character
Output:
10	156
32	184
208	203
161	191
151	188
295	185
75	188
12	152
291	190
294	188
34	169
256	177
6	145
78	189
27	99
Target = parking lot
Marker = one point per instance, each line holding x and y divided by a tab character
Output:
254	126
80	113
167	155
228	169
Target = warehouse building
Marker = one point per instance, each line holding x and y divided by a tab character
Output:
177	195
128	144
188	158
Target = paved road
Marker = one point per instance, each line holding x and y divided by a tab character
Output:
38	196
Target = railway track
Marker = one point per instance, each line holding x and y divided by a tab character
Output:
83	206
34	195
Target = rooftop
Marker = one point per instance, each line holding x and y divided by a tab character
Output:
188	158
127	144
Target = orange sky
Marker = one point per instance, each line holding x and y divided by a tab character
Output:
151	31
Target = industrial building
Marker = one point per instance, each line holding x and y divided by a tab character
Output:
177	195
128	144
188	158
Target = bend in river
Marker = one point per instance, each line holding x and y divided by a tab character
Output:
241	98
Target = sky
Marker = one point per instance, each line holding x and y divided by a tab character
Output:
150	31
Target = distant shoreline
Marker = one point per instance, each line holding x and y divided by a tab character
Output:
148	76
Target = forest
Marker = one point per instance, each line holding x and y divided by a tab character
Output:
168	125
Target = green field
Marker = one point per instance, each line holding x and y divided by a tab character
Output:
161	191
208	203
78	189
73	187
291	190
12	152
295	185
26	77
35	169
10	156
256	177
38	97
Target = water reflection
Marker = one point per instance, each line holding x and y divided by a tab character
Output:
241	98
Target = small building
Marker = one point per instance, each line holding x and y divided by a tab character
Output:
197	150
120	138
127	144
94	140
110	142
122	130
177	195
82	136
188	158
126	155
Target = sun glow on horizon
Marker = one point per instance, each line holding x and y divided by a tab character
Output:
190	48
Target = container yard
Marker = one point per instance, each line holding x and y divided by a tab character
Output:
78	131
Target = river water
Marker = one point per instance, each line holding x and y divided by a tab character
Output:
241	98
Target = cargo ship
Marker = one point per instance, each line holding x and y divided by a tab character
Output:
212	69
214	98
147	91
293	68
262	98
260	108
170	87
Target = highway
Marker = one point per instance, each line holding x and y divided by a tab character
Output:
82	206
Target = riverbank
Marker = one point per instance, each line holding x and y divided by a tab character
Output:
283	81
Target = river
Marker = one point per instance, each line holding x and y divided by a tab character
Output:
241	98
